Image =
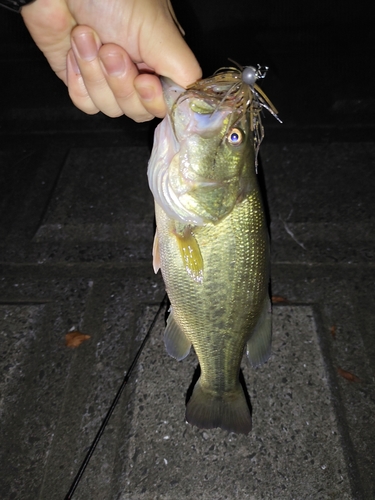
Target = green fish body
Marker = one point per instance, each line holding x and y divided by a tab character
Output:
212	246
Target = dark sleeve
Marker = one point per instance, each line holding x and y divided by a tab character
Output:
14	5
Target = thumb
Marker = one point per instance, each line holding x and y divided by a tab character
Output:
169	55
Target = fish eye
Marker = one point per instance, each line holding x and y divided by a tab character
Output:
235	137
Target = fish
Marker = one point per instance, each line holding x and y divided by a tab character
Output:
211	241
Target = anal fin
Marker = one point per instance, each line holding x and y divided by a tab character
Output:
176	343
258	348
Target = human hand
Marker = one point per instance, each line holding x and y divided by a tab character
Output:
104	65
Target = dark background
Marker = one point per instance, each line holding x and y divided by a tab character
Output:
320	57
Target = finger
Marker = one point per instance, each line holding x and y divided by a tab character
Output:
150	93
76	87
86	45
120	73
178	61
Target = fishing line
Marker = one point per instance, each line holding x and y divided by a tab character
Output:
113	405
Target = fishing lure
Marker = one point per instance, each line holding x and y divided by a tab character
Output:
237	87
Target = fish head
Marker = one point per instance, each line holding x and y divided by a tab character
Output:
203	158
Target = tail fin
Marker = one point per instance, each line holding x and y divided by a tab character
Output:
228	411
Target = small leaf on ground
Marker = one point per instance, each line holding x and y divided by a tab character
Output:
347	375
75	339
277	299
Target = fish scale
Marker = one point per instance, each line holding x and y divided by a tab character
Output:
218	319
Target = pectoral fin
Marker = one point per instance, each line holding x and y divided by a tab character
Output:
156	253
258	347
176	343
191	254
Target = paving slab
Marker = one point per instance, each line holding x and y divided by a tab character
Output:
53	398
335	225
36	368
293	452
99	209
78	255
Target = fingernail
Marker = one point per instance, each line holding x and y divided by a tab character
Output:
146	93
85	46
114	64
73	63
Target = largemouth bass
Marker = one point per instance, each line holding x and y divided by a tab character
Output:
211	241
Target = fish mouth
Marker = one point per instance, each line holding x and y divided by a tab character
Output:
228	88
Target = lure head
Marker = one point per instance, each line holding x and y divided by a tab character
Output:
249	75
